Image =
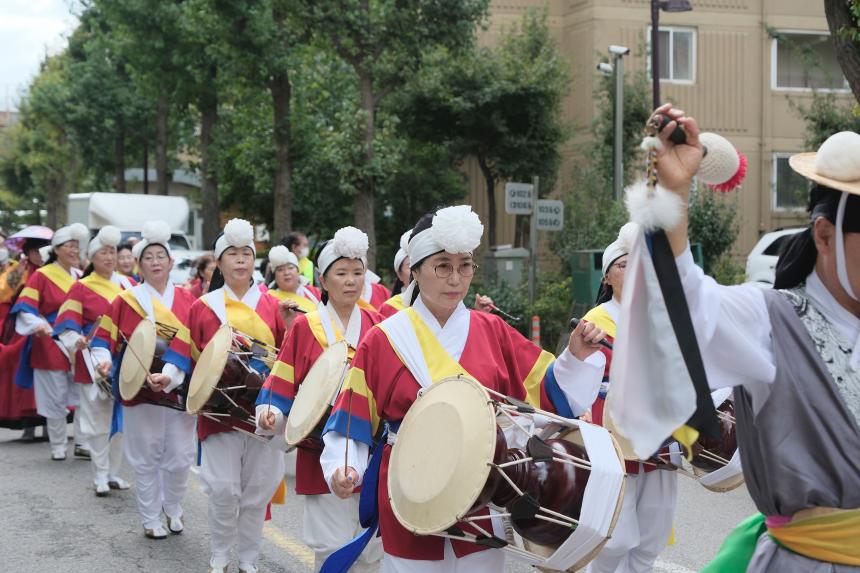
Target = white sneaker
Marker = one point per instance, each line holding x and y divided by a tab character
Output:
247	568
175	525
157	532
217	569
102	489
118	483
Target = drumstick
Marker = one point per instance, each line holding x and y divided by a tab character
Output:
348	421
505	314
574	321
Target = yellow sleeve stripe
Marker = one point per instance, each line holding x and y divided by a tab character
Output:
535	378
30	293
284	371
71	306
356	380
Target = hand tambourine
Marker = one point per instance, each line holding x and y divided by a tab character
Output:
723	167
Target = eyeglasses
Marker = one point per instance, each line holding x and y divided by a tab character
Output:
149	259
445	270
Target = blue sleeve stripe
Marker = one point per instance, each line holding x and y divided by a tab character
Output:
66	325
555	394
181	362
24	307
359	428
99	343
281	402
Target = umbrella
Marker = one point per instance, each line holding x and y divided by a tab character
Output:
32	232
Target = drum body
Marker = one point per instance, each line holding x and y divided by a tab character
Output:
560	490
223	382
716	462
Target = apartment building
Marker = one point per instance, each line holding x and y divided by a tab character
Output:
736	65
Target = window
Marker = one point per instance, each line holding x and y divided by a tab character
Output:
677	54
790	190
805	61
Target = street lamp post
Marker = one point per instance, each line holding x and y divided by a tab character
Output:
618	53
656	6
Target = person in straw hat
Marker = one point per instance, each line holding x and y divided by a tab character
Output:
158	437
792	355
88	300
392	364
44	364
239	474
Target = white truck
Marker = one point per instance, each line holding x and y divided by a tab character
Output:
129	211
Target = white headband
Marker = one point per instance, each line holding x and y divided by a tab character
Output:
109	236
455	230
154	233
348	242
74	232
620	246
401	252
279	256
237	233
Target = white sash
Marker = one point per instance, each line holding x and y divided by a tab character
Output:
370	278
307	293
216	300
351	333
143	298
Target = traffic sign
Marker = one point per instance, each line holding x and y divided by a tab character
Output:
518	198
550	215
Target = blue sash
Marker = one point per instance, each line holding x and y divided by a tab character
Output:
24	373
368	510
116	418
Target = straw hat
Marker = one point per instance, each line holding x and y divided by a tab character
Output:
836	164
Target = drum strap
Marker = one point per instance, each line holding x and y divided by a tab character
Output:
368	509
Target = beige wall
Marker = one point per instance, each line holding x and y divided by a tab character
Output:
731	93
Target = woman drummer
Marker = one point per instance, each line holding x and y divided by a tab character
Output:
88	300
439	334
158	436
329	522
287	283
44	362
240	474
644	525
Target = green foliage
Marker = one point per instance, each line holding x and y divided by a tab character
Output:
713	224
552	304
726	270
853	32
826	115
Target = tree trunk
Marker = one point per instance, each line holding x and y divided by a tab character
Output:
364	199
281	91
146	167
490	181
119	162
209	186
161	146
847	50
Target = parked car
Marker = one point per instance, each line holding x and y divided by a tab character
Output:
761	263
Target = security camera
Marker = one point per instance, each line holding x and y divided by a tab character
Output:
605	68
619	50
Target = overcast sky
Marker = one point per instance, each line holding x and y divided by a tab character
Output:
29	29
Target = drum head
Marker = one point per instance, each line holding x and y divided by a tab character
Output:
316	392
141	344
208	370
440	461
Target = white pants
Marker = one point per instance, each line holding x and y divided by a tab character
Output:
160	447
94	416
240	476
329	523
644	524
55	392
489	561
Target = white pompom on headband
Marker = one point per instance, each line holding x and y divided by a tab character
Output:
348	242
279	256
453	230
154	233
237	233
74	232
108	236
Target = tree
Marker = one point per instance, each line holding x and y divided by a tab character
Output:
384	42
843	18
501	106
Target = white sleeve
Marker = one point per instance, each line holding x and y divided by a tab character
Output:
177	377
732	327
579	380
280	421
69	338
333	452
101	354
26	323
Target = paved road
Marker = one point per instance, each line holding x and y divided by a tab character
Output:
53	523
